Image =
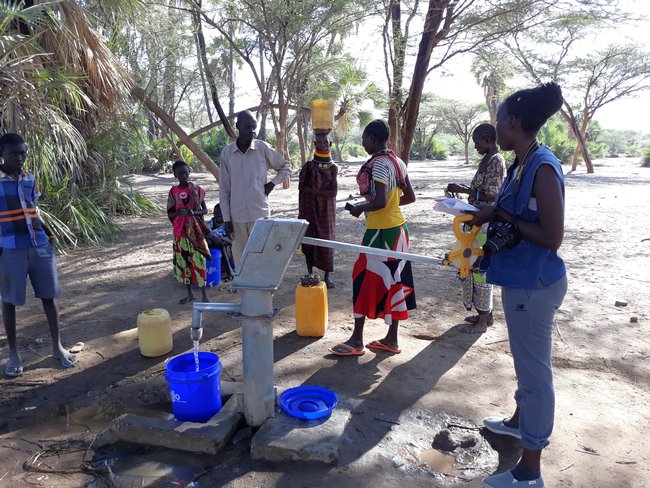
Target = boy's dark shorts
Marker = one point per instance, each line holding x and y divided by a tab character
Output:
37	262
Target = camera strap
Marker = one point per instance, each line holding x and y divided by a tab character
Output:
516	179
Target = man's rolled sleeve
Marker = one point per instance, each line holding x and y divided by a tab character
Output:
276	161
224	186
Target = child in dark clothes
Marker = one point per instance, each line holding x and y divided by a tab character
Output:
218	238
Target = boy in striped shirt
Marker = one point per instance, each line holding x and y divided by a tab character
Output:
26	249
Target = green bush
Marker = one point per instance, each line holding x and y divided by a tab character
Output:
596	149
554	134
646	157
437	151
86	214
212	142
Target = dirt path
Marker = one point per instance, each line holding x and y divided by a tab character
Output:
601	358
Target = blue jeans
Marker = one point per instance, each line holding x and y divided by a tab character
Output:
530	315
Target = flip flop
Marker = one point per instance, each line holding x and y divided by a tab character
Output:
183	301
68	361
382	347
13	371
350	351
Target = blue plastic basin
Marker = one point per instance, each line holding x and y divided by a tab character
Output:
308	402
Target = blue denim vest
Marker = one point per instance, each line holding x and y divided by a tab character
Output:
527	264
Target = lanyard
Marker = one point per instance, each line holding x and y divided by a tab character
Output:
516	179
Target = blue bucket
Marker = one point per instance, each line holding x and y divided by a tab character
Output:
213	276
195	395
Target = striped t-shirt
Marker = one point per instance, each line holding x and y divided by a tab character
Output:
384	171
20	225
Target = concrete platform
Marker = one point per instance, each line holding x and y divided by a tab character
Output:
285	438
208	438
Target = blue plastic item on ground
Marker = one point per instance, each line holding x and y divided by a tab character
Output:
213	275
195	395
308	402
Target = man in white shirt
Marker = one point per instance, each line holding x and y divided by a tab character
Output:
243	187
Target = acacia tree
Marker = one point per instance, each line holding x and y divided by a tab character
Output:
207	70
291	33
461	118
430	123
604	77
543	57
451	28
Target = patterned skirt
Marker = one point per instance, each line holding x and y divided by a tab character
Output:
189	264
383	288
320	212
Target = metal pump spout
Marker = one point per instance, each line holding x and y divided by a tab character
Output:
196	332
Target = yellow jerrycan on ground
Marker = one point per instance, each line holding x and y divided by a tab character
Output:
155	332
311	310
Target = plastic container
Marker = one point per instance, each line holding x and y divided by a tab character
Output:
311	310
195	395
213	275
308	402
322	114
155	332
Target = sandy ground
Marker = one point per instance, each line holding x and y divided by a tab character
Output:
601	358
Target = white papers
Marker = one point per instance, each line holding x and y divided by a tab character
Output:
453	206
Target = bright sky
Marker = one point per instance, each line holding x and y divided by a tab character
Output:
457	82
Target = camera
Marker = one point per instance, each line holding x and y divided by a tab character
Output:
349	206
500	235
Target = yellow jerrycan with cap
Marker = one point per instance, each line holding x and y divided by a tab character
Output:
322	114
155	332
311	310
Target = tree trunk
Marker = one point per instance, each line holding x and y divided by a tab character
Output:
301	136
306	124
231	75
263	106
428	41
466	143
281	139
337	146
139	94
209	75
568	115
583	133
395	99
491	99
206	97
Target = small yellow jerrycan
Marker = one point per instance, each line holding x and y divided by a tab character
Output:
311	310
155	332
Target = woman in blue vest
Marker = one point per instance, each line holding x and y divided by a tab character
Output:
525	231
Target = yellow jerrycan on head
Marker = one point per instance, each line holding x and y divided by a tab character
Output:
155	332
311	310
322	114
